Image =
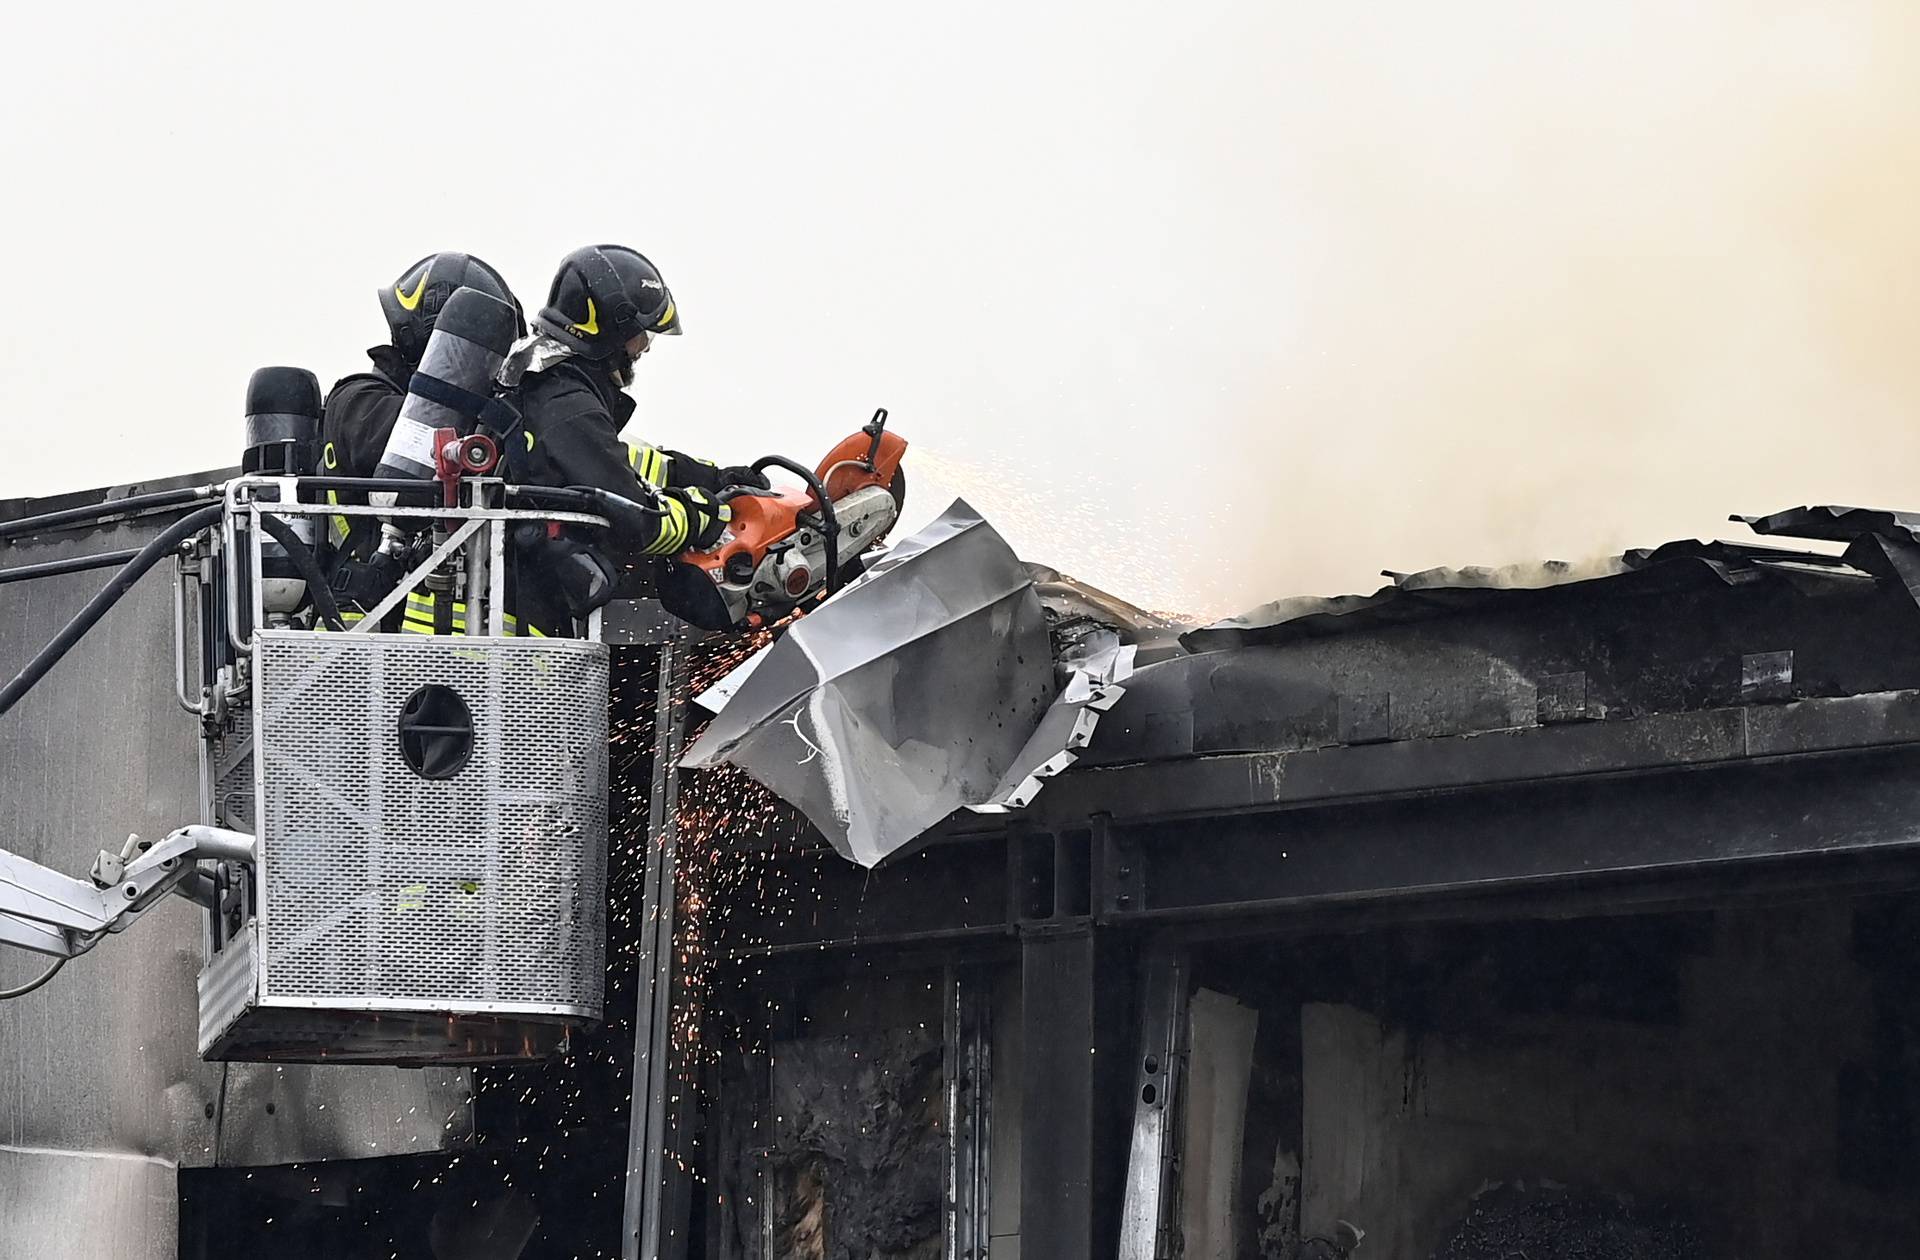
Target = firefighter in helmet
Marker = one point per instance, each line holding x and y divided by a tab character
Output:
360	411
568	378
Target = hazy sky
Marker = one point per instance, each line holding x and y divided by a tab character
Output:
1206	303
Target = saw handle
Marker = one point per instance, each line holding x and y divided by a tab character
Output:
873	429
830	524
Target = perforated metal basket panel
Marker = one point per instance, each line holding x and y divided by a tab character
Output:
230	756
386	890
226	986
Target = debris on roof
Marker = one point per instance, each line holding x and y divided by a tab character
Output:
953	677
1093	670
1443	592
1885	544
1835	524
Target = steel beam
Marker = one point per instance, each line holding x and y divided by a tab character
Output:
968	1076
1657	743
1057	1093
1809	792
945	892
657	1199
1605	835
1145	1217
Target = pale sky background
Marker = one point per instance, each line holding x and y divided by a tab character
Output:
1203	302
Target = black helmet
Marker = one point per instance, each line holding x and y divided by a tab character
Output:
413	302
604	296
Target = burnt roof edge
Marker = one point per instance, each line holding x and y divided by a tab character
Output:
1204	786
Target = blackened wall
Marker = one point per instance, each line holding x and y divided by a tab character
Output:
1734	1083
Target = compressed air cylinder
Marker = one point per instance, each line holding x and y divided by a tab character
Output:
471	338
283	433
283	422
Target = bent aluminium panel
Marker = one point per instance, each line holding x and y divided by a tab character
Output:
906	696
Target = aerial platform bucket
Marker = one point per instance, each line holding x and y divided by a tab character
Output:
431	814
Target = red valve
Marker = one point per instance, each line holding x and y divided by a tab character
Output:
472	456
478	455
455	457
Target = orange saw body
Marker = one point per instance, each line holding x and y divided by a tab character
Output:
782	550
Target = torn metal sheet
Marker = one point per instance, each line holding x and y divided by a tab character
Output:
910	694
1067	597
715	697
1885	544
1093	686
1833	523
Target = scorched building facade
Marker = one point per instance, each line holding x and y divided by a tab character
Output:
1500	912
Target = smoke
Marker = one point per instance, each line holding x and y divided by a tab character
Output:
1503	282
1203	306
1567	278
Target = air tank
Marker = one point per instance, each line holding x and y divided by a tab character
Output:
283	437
471	338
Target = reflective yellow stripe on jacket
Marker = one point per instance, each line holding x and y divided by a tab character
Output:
648	464
418	618
672	538
341	525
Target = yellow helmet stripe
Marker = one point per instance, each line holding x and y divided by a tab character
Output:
408	301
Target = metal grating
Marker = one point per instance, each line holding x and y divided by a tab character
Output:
231	756
386	890
226	986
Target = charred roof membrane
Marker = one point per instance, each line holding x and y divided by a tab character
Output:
1687	626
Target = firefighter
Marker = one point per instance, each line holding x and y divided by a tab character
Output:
604	309
360	412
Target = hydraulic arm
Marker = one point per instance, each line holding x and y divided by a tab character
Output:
49	913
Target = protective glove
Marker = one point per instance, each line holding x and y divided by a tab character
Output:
711	477
363	583
706	518
744	475
584	578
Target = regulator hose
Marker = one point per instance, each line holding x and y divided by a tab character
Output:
162	544
72	564
107	510
302	557
31	985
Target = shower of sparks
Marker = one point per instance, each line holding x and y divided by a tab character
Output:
553	1134
727	831
557	1130
1066	515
